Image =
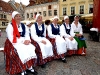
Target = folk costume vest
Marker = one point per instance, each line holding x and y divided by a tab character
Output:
67	30
55	31
39	32
22	34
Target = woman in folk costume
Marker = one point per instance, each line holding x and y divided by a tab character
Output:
65	31
28	24
38	34
24	51
60	44
78	35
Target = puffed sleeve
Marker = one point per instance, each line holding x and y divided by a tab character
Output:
50	32
44	31
63	32
72	30
9	31
27	36
34	35
81	30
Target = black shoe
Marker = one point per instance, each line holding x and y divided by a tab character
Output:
25	73
34	73
43	66
64	60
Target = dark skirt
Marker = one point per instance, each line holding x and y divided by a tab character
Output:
40	60
13	62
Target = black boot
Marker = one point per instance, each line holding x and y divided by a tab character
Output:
43	66
34	73
24	73
64	60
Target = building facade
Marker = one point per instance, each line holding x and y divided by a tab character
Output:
47	8
17	7
5	14
6	8
75	7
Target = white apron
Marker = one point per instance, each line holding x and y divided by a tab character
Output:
25	52
46	50
61	45
71	45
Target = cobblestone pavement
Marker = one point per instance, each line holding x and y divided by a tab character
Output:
76	65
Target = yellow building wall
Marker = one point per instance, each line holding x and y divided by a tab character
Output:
7	20
9	17
76	3
41	8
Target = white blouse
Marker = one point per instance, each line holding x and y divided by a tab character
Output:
50	32
63	31
9	31
77	28
34	34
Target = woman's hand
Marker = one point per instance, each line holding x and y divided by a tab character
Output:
44	42
78	35
27	42
71	38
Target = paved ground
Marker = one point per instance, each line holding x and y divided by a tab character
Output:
76	65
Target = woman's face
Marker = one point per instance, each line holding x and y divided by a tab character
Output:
76	19
67	21
55	21
29	25
39	19
17	18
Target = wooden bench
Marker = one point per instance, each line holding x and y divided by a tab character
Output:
2	50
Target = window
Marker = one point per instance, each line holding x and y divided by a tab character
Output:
49	13
82	9
40	13
64	11
3	24
5	16
44	13
49	7
35	13
55	12
72	10
1	15
0	8
31	15
27	15
23	16
64	0
90	8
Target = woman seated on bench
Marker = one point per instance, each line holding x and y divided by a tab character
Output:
65	31
18	35
78	35
54	33
38	34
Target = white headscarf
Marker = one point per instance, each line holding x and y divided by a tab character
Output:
14	13
66	17
56	17
28	22
76	16
37	16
